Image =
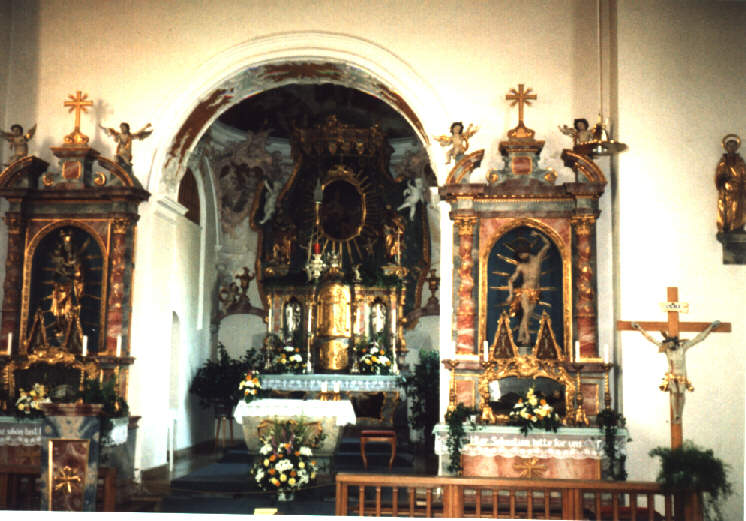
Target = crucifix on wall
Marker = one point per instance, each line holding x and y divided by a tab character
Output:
675	380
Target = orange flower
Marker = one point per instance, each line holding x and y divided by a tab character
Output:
293	473
271	472
272	457
297	453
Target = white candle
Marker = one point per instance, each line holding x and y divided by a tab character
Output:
323	387
486	350
365	321
393	320
10	343
119	346
309	321
577	350
85	345
606	353
336	387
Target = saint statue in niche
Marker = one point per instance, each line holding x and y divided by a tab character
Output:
377	319
292	322
730	181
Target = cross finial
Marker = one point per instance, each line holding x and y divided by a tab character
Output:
520	97
77	103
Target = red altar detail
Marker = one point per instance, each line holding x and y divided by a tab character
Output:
465	304
541	468
521	165
119	229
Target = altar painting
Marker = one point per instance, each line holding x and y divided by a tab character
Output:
524	277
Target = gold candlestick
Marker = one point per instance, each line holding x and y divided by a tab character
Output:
607	391
451	365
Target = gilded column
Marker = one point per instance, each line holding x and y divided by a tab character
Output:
115	304
465	305
12	285
584	316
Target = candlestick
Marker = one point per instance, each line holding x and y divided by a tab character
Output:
336	387
366	323
10	343
119	346
85	345
577	350
606	353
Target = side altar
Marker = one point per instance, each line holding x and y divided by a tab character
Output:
501	450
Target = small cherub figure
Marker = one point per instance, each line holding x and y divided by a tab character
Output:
270	201
580	133
459	140
124	139
18	141
413	194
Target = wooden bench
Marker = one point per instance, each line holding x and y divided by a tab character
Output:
379	436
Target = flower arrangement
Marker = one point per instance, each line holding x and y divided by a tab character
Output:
250	386
288	360
532	412
28	404
284	463
374	360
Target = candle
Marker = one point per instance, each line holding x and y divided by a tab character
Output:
606	353
486	350
85	345
324	387
269	315
366	323
119	346
309	321
577	350
10	343
336	387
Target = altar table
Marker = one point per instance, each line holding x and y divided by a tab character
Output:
333	416
503	451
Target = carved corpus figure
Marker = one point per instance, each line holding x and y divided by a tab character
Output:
730	181
675	380
526	296
458	140
413	194
124	138
18	141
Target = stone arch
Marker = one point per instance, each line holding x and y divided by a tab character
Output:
273	61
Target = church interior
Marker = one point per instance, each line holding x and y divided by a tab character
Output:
277	255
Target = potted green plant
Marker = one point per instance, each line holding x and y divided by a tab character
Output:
105	393
692	469
216	381
423	386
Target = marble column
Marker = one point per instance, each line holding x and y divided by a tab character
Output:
584	290
465	305
12	285
114	308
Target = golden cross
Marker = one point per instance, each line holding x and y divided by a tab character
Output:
77	103
529	467
65	479
521	97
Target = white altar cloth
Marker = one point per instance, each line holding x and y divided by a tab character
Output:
270	407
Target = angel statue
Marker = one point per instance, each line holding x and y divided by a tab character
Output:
579	132
270	201
18	141
124	139
413	194
459	140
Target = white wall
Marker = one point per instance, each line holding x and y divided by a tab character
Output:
680	85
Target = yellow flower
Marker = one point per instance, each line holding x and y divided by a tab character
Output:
283	477
291	481
301	465
275	482
374	358
313	475
367	361
266	463
388	362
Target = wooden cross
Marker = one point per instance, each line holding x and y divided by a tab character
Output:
521	97
671	329
77	103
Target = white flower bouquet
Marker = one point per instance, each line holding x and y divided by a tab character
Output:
533	412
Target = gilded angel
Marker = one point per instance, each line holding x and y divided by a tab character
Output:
18	141
458	140
124	139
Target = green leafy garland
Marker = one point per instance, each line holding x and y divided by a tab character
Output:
692	468
610	421
456	435
423	385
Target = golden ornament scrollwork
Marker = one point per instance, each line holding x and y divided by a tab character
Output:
583	225
120	226
465	224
